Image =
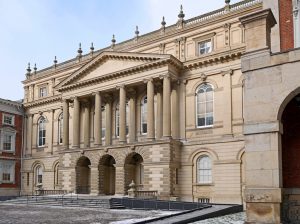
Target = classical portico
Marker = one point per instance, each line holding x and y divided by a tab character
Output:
155	73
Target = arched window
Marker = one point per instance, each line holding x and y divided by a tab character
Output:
103	121
56	175
41	132
204	170
39	175
144	115
117	119
60	129
204	105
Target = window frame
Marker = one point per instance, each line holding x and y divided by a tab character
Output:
12	119
12	169
42	118
43	93
103	118
144	113
198	169
205	102
8	132
39	175
60	129
205	48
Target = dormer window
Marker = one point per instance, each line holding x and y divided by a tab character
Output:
205	47
43	91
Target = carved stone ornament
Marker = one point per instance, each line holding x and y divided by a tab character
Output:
203	77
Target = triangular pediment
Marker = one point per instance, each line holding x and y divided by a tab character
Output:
108	63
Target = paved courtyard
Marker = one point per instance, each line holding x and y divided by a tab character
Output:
22	214
238	218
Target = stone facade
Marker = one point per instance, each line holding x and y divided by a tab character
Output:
271	125
88	129
11	139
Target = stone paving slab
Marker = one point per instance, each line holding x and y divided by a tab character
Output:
238	218
23	214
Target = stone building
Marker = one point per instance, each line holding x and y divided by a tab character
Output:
164	110
271	115
11	124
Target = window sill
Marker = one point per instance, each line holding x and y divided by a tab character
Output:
205	127
203	184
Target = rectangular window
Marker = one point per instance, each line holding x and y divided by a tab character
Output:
8	119
7	171
8	141
204	47
43	91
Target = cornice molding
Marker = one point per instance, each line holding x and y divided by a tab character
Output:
43	101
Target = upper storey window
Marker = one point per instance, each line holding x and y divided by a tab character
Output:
204	105
8	119
60	128
204	47
144	115
41	132
43	91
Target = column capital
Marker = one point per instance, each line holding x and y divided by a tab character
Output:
122	86
148	80
228	72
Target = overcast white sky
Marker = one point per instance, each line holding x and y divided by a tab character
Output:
36	30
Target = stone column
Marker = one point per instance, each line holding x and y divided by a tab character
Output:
76	123
98	119
86	125
132	125
159	112
94	180
182	109
150	110
29	134
175	111
66	124
227	103
122	112
108	120
166	106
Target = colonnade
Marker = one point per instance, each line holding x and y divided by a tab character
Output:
163	119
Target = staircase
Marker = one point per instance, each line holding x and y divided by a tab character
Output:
65	201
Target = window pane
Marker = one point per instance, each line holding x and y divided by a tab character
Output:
209	107
201	108
209	96
201	97
209	120
201	121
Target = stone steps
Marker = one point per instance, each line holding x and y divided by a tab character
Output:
60	201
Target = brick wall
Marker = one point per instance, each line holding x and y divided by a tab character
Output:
286	24
18	150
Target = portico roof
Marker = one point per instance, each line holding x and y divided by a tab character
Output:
111	64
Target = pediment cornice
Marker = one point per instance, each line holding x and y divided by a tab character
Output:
150	61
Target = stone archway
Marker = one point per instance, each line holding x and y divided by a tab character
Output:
134	170
290	161
107	175
83	176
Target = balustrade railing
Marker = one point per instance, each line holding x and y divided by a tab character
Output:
146	194
49	192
